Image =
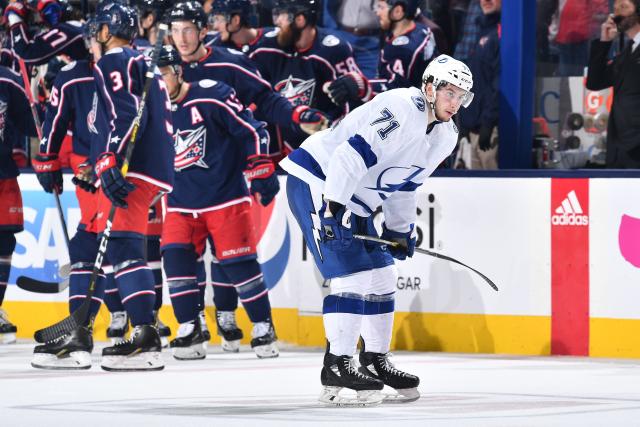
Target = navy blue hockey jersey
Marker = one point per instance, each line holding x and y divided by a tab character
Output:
14	112
72	106
64	38
233	68
214	134
119	78
403	59
300	75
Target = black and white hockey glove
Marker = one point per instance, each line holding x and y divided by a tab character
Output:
351	87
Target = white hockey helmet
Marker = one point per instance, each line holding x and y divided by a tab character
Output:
444	69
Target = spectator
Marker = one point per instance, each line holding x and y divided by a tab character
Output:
470	32
623	73
480	120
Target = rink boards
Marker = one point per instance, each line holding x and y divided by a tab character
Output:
564	252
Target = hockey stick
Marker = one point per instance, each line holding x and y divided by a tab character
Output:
24	282
426	252
79	316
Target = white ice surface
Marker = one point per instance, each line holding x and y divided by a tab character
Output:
239	389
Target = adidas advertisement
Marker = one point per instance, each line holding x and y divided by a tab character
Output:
569	212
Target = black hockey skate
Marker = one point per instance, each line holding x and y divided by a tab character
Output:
203	325
7	329
340	372
228	331
190	344
141	352
377	365
71	351
118	327
163	330
264	340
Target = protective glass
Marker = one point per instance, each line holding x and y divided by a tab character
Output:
450	95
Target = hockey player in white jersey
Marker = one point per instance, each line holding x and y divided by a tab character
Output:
378	155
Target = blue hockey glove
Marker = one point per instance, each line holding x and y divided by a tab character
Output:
335	226
310	120
406	242
113	184
48	171
261	173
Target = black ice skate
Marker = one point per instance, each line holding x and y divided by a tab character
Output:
377	365
7	329
264	340
163	330
118	327
340	372
203	326
141	352
228	330
190	344
71	351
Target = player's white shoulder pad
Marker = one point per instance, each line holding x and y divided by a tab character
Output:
69	66
207	83
235	51
272	33
330	40
400	41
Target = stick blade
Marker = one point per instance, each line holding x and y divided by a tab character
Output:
41	287
65	326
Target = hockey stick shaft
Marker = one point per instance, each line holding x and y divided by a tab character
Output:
426	252
79	316
36	120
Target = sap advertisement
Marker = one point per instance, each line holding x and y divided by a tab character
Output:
534	237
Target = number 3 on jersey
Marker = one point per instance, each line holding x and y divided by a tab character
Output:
386	116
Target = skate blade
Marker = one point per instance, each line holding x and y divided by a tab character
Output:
147	361
230	346
403	396
9	338
75	360
267	351
194	352
364	398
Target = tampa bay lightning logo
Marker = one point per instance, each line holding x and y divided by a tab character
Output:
419	102
190	148
393	178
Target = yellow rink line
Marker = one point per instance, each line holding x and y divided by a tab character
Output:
456	333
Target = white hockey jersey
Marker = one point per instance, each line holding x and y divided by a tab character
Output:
379	154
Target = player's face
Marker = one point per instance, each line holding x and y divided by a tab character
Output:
381	8
449	99
186	36
282	20
170	79
220	25
490	6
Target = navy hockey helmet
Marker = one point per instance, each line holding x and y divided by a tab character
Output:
157	7
309	8
244	8
410	7
121	20
169	56
188	11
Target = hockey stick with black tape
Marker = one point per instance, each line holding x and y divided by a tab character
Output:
426	252
79	316
24	282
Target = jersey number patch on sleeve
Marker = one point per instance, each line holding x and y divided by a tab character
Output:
386	116
58	37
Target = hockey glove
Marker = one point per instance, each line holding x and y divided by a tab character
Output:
406	242
484	139
15	13
48	171
84	178
335	226
19	158
264	181
310	120
350	87
113	184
